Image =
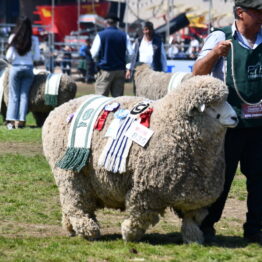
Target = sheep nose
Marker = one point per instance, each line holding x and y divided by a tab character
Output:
234	118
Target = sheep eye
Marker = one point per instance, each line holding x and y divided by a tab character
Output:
218	116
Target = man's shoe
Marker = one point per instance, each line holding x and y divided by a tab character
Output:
209	234
254	238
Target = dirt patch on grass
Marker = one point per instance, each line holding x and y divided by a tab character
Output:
110	223
22	148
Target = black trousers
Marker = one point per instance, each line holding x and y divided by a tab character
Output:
244	146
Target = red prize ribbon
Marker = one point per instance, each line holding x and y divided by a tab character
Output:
102	119
145	117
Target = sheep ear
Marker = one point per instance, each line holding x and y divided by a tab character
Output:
201	108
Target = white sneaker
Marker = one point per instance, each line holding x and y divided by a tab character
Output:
10	126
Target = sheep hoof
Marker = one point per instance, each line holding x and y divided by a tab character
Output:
85	227
131	232
71	234
191	232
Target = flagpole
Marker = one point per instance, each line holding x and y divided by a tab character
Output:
52	48
126	16
210	15
168	21
78	22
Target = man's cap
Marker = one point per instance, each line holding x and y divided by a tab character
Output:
255	4
113	17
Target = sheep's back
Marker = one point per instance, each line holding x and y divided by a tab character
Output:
151	84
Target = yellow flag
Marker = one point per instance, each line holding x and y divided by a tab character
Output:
196	20
46	12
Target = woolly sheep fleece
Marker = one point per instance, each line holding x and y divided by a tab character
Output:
67	91
152	84
181	167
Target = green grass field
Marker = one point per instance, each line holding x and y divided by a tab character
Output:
30	215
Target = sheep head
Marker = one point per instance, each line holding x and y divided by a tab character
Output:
202	93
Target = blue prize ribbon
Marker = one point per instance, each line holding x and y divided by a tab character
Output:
121	114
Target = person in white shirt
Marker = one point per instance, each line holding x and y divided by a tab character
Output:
23	50
149	50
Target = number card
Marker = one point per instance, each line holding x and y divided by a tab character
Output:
139	133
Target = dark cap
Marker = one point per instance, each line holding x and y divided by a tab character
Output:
113	17
255	4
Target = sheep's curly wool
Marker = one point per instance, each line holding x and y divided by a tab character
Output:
181	167
152	84
67	91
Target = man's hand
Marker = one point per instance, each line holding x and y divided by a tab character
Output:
222	48
205	65
128	74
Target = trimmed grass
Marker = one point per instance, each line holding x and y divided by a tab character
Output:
31	231
76	249
29	134
27	190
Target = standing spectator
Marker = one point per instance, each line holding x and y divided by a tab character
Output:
149	49
173	49
110	47
23	50
86	64
66	63
194	48
241	46
45	47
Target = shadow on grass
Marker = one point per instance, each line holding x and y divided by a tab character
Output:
229	242
152	239
176	238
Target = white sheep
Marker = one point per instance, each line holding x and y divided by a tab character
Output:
181	167
40	111
154	85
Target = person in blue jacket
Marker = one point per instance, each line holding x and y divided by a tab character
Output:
110	48
86	64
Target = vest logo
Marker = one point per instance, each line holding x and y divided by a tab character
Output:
254	71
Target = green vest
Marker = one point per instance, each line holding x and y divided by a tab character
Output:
248	76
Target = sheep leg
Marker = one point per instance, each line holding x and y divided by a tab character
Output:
134	227
3	110
40	117
190	226
78	204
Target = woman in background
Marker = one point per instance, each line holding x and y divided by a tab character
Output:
23	50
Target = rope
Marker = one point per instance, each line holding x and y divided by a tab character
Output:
234	80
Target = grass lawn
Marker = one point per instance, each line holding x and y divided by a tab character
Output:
30	216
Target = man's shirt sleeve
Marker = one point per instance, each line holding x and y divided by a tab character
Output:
95	47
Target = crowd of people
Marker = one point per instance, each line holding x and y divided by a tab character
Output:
232	54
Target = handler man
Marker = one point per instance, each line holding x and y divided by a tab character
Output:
111	48
241	46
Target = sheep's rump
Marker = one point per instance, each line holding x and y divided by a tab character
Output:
67	91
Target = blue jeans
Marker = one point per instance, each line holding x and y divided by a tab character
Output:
20	81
